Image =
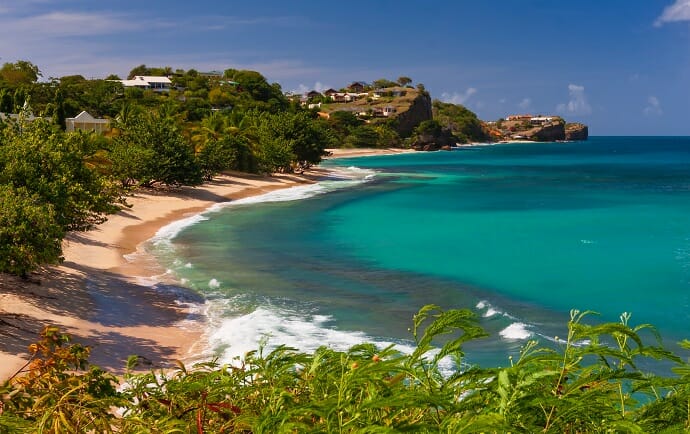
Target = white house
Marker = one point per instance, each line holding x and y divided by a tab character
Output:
388	111
540	120
158	84
85	122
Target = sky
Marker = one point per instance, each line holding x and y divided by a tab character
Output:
620	66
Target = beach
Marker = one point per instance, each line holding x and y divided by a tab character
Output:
117	306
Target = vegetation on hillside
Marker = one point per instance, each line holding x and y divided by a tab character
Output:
591	380
463	123
52	181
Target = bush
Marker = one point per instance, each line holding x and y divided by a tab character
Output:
590	381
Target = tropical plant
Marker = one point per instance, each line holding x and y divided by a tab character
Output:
589	381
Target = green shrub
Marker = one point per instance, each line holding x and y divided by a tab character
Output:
589	382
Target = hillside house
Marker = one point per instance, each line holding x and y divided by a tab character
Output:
330	92
519	117
388	111
157	84
313	94
540	120
85	122
357	86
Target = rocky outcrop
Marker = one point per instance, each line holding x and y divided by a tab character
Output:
419	111
576	132
430	142
549	133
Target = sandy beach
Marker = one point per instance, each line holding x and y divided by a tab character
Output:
365	152
107	302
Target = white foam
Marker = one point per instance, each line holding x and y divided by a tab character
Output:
488	309
244	333
490	312
171	230
236	336
213	284
516	331
188	265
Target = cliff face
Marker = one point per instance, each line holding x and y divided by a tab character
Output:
419	111
549	133
576	132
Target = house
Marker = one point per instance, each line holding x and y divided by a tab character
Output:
541	120
357	86
340	97
330	92
313	94
519	117
85	122
157	84
388	111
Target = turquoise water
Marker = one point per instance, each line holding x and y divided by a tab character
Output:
521	233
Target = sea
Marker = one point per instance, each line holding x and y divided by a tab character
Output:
519	233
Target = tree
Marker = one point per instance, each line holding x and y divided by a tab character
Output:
6	101
58	114
29	233
463	123
51	165
19	99
384	82
404	81
138	70
364	136
150	149
19	73
257	87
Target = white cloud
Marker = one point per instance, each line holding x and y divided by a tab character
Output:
318	86
525	104
578	104
64	24
653	107
678	11
458	98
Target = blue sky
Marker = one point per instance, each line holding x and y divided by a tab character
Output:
621	66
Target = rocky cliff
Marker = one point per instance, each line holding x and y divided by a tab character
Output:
419	111
576	132
548	133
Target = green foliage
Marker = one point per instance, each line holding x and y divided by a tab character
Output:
383	82
285	140
19	73
588	382
6	101
429	127
52	398
404	81
58	113
151	149
462	122
52	166
29	233
255	85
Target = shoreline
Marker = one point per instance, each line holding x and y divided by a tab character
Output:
117	306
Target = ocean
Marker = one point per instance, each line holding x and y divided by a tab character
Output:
519	233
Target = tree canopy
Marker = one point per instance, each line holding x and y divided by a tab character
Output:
19	73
